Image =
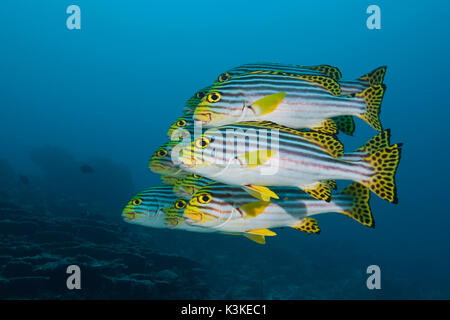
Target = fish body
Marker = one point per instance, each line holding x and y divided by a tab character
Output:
296	101
263	154
348	87
227	208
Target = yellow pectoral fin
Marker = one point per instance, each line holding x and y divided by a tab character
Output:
254	209
308	225
262	232
256	158
256	238
267	104
261	193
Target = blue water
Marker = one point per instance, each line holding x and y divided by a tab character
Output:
106	94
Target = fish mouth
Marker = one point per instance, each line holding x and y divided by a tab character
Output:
193	214
131	215
204	117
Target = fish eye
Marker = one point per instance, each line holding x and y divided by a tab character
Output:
136	202
181	123
180	204
224	77
204	198
202	142
200	94
161	153
213	97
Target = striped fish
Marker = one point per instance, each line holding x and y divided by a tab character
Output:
260	154
224	208
147	209
296	101
162	163
344	123
347	87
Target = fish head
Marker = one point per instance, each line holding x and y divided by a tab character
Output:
207	154
146	207
220	106
165	160
173	215
208	209
193	101
182	128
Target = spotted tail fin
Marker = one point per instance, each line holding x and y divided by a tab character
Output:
384	162
372	97
360	207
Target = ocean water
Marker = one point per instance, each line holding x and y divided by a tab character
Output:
102	97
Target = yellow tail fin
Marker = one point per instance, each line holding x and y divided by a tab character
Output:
384	162
360	210
373	97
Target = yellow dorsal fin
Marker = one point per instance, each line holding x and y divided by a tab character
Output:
318	190
260	192
327	70
256	238
254	209
267	104
328	126
327	142
331	85
258	157
262	232
308	225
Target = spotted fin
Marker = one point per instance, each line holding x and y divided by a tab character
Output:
360	209
329	143
384	162
318	190
328	126
329	84
308	225
346	124
262	232
256	158
267	104
331	183
380	141
260	192
254	209
374	77
256	238
373	97
332	72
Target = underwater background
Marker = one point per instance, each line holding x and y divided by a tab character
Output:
82	111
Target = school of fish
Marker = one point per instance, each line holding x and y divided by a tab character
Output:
258	150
